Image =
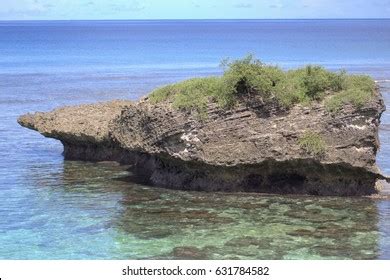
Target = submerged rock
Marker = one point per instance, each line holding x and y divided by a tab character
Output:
189	253
253	147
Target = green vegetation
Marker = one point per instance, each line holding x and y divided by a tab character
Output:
356	90
312	143
247	76
189	94
250	77
307	84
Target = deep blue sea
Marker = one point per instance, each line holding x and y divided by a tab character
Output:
56	209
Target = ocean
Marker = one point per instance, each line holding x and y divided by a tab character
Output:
56	209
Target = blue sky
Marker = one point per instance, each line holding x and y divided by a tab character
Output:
191	9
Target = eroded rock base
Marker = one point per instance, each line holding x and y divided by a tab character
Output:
290	177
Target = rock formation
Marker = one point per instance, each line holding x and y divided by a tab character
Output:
253	147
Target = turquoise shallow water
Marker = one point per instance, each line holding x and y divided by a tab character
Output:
90	211
56	209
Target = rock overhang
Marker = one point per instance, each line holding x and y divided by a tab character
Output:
251	147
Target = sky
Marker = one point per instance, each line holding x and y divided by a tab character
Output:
191	9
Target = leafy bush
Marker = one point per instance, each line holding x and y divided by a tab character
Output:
309	83
312	143
317	80
362	82
189	94
290	90
249	76
243	76
356	97
357	90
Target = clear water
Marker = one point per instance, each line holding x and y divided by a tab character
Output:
52	209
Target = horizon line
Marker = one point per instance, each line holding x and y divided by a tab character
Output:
196	19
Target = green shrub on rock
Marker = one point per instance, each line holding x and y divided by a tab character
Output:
189	94
357	90
317	80
309	83
250	77
312	143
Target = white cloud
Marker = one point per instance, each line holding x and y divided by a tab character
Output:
277	4
129	6
195	4
316	4
243	5
23	6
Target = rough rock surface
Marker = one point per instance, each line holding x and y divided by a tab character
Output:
253	147
83	129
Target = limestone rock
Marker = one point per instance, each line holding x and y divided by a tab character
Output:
254	146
